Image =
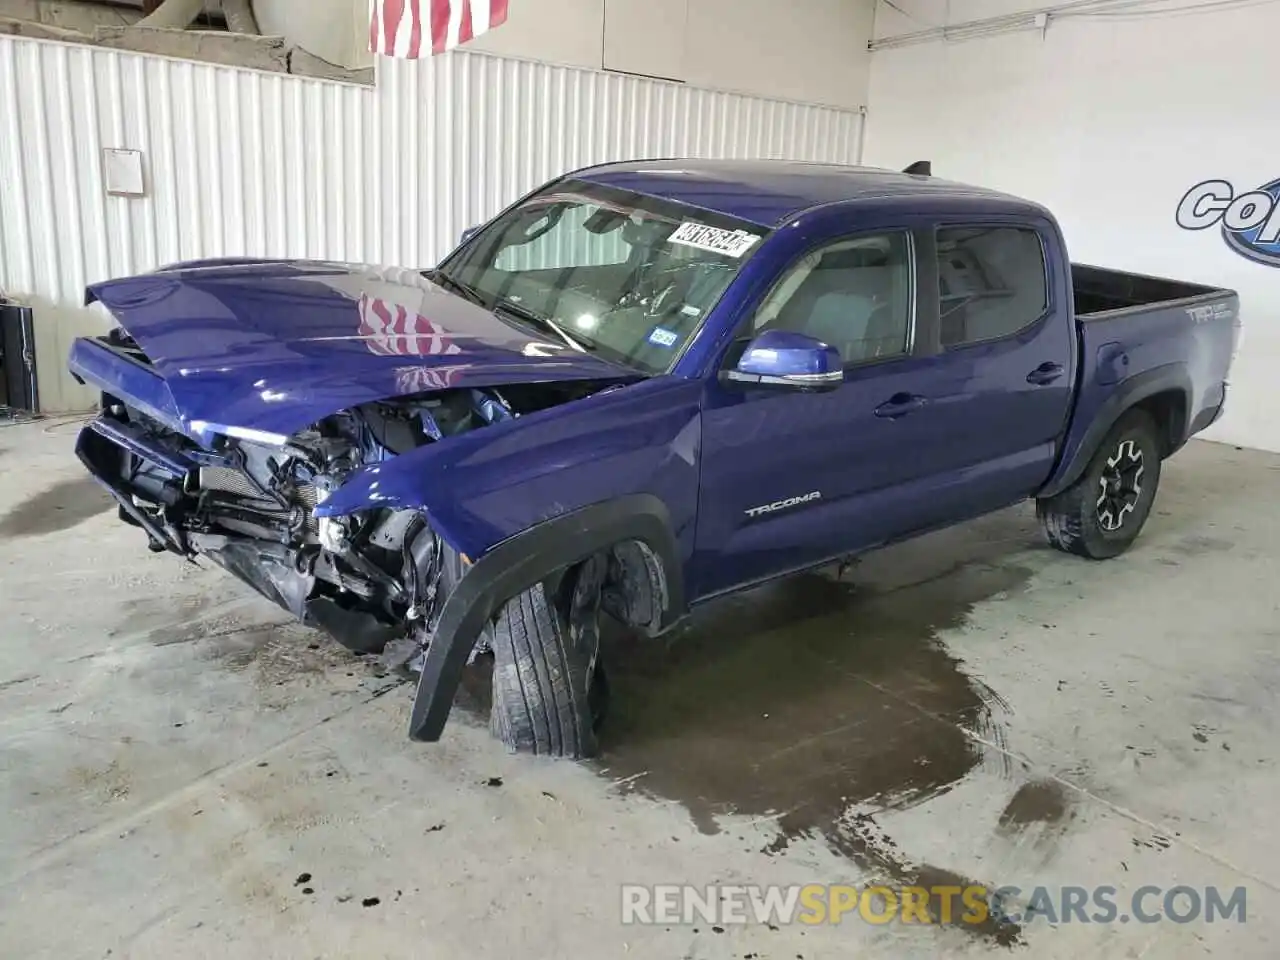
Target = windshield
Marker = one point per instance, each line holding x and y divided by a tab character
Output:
629	276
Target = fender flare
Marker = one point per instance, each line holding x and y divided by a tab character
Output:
1128	395
520	562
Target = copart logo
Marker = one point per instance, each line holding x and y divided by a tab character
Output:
1250	221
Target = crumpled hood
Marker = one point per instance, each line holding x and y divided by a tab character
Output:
275	346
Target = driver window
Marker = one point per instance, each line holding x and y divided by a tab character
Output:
853	294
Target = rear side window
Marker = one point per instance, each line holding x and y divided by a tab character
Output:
991	282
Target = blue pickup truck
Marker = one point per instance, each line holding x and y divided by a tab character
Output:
640	387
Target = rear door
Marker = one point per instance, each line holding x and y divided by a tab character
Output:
1006	355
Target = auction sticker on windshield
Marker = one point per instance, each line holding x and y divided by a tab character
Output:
731	243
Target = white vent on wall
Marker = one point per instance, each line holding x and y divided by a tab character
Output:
122	172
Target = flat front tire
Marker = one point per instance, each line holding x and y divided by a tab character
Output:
546	679
1101	514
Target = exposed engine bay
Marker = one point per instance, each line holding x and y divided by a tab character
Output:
366	578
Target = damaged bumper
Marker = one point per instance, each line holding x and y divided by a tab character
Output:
156	478
109	450
369	578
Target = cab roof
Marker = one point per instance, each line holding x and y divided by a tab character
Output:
769	192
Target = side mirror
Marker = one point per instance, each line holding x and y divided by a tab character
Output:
780	358
468	233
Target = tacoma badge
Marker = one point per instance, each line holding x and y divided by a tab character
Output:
784	504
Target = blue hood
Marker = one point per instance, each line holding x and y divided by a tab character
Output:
275	346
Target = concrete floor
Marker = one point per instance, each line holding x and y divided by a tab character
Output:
174	755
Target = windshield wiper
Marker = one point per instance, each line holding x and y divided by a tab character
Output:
538	319
457	286
507	306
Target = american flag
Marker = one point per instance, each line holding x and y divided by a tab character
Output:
413	28
426	379
390	330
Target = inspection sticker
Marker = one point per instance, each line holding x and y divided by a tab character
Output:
661	337
731	243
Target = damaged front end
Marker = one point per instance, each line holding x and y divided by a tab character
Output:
248	503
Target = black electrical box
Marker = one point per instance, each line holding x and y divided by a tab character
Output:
18	390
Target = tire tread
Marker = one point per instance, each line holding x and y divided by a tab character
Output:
539	682
1067	517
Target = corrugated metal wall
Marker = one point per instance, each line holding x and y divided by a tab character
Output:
246	163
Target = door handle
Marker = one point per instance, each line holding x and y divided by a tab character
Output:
899	405
1047	372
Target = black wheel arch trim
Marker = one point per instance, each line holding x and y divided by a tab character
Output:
520	562
1128	395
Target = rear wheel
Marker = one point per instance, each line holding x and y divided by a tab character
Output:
1101	514
548	688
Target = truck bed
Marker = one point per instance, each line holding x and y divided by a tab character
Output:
1165	343
1099	290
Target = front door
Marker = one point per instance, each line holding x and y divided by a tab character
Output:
790	479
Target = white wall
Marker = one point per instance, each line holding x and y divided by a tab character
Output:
814	51
257	164
1108	121
809	50
337	30
569	32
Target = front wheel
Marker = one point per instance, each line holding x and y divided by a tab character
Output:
1101	514
548	688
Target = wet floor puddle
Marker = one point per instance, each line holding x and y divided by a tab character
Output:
818	703
803	699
